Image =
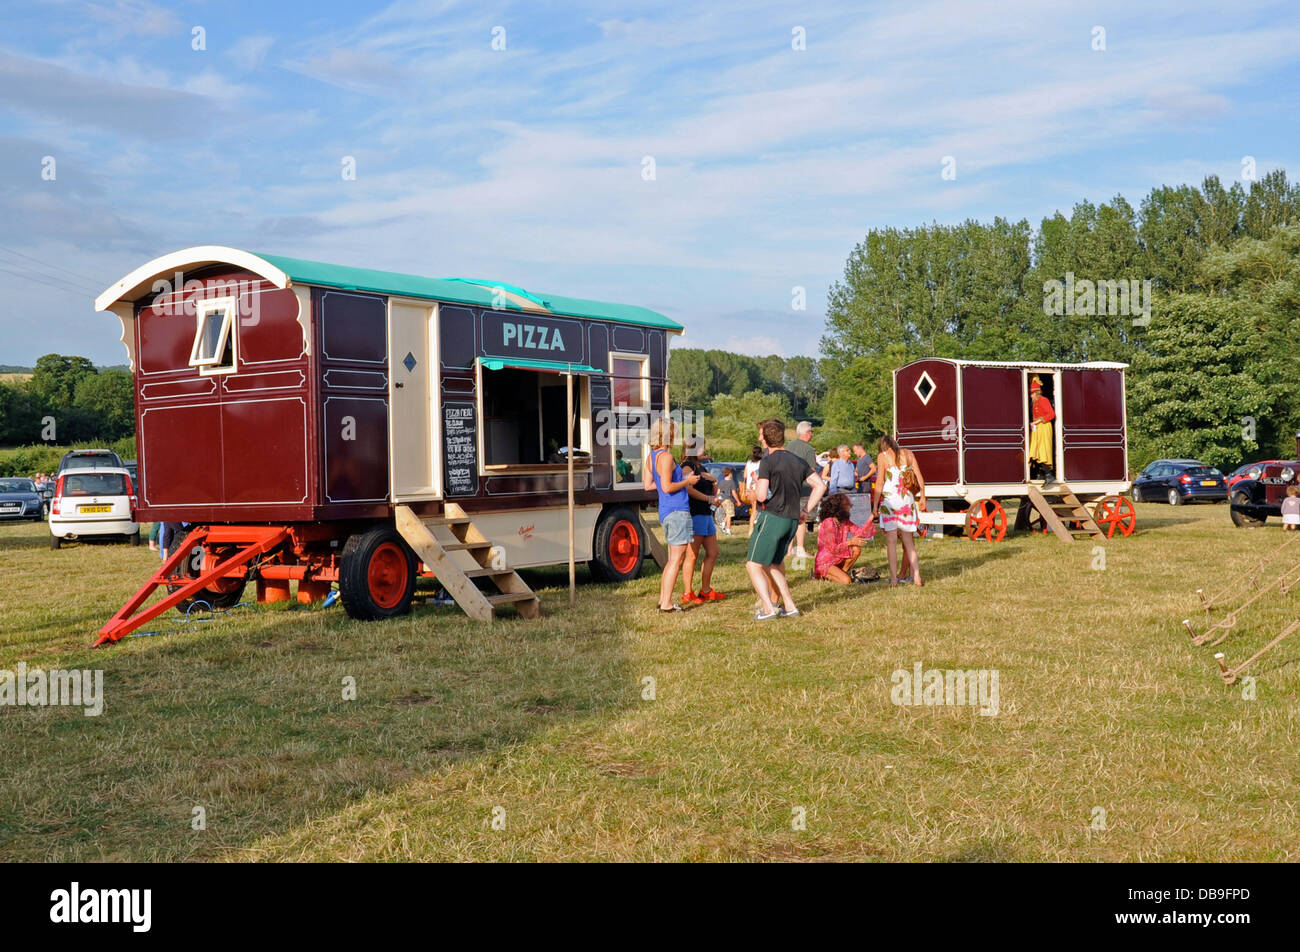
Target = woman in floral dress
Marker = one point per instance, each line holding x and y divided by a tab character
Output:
898	497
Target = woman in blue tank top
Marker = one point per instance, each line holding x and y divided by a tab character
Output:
674	505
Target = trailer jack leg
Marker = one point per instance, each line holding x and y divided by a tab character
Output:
257	542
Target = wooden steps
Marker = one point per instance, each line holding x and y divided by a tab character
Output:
658	549
453	549
1060	507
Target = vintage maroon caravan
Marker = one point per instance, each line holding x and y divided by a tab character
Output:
968	422
324	424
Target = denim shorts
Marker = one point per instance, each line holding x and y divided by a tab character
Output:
704	525
678	528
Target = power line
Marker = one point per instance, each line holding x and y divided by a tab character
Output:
94	282
53	283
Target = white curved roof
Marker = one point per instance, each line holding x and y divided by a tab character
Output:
187	259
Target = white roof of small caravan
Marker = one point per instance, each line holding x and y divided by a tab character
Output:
1028	364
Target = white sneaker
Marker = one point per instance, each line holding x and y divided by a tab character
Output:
802	554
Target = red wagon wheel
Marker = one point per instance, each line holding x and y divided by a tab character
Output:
986	519
1115	512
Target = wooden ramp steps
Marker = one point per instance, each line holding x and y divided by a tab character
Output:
658	549
453	549
1059	506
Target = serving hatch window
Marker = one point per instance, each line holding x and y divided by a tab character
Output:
214	348
522	413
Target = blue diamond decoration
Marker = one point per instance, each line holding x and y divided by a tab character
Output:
409	361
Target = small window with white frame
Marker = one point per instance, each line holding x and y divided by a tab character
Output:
215	340
629	381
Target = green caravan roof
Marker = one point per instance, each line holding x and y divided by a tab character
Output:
461	291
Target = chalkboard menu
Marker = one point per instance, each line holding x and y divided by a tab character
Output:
460	448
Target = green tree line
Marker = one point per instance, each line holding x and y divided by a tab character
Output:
67	400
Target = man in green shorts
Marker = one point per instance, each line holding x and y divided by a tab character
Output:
780	477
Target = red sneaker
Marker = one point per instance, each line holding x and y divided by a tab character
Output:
712	595
690	598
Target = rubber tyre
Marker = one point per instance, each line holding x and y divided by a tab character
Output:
55	541
1175	497
619	545
1136	493
134	538
377	575
1241	520
218	600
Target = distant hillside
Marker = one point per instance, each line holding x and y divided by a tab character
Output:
27	371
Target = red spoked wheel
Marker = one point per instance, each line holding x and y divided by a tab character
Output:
1115	512
986	519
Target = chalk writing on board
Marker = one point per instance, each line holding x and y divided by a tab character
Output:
460	448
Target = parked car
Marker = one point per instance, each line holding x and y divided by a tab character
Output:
132	467
93	502
1260	494
90	459
738	474
1249	471
19	499
1177	481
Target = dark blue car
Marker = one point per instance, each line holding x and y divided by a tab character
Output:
1177	481
20	500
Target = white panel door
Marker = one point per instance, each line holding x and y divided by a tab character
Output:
415	435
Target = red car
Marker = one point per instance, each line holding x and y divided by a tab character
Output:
1244	471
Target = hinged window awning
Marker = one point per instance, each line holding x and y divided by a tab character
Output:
528	363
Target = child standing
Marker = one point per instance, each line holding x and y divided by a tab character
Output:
1291	508
727	489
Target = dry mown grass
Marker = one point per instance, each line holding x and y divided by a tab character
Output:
1104	703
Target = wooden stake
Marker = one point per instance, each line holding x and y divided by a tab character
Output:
573	590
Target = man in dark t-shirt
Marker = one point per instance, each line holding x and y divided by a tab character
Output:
780	477
864	469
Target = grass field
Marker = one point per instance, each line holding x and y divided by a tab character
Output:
1104	703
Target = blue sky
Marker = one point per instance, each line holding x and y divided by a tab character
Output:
525	165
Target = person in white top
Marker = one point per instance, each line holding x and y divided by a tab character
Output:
751	477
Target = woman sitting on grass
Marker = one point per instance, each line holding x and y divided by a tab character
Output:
839	541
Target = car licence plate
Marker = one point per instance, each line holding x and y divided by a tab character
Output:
1208	482
94	509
